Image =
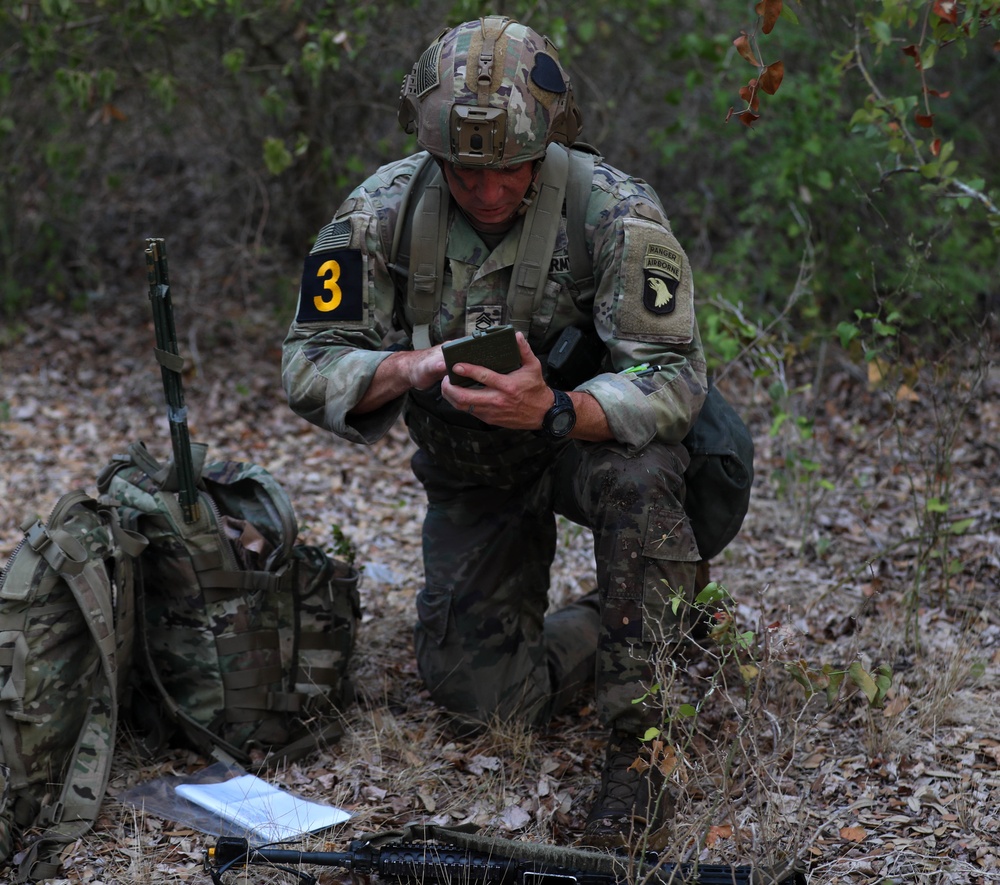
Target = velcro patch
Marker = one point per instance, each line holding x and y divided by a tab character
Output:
332	289
662	273
336	235
655	301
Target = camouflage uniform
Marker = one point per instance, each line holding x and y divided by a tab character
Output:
484	644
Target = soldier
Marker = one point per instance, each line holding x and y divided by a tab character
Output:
489	225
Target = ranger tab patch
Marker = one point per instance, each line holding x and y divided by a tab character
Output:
653	288
332	287
661	269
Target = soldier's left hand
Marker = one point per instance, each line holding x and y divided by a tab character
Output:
517	401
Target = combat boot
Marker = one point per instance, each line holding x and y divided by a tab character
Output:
633	803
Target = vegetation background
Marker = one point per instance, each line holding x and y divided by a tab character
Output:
831	168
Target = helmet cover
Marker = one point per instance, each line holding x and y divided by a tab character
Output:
489	93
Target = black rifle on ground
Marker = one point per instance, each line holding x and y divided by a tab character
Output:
406	861
171	366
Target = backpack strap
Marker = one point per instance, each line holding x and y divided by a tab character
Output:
88	771
581	179
538	238
418	243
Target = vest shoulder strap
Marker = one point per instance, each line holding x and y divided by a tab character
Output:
578	190
538	238
420	238
418	247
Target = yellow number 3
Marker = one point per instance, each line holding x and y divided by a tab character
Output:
330	270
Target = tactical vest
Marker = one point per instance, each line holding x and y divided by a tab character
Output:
463	443
421	238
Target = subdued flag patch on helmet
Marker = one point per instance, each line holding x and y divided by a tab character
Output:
425	72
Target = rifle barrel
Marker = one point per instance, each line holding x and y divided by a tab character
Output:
171	364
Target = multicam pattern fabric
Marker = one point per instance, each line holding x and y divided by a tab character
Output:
497	64
484	644
238	618
65	643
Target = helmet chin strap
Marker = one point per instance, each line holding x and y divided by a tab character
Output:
531	192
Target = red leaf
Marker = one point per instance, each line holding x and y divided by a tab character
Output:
750	94
770	11
925	120
771	78
742	44
947	10
748	118
110	112
914	52
936	147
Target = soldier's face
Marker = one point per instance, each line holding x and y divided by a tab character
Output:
489	197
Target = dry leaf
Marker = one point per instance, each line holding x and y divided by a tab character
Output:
853	834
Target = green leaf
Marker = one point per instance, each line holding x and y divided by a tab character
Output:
847	332
277	157
863	680
711	592
836	678
961	526
882	32
883	680
234	60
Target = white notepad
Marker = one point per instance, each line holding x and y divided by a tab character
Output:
264	813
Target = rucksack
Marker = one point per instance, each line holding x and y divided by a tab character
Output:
66	621
720	475
244	635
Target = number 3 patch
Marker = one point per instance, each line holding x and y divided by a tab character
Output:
332	287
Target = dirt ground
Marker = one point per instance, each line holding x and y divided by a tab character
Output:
873	540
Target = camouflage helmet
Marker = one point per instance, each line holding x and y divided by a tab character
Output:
489	93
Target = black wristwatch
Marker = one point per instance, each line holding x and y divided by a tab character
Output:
561	418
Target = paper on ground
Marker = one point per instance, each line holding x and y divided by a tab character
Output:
265	813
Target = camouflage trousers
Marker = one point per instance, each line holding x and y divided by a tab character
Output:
486	647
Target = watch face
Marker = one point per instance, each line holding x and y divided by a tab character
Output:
562	422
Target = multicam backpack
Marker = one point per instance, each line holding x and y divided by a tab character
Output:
245	636
66	629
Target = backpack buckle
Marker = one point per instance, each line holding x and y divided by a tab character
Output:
37	536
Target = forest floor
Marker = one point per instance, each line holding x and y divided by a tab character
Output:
873	540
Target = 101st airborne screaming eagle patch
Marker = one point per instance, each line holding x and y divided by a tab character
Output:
332	289
661	270
654	293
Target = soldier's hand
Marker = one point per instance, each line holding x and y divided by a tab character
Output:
425	367
517	401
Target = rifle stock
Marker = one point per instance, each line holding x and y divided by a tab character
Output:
438	864
171	365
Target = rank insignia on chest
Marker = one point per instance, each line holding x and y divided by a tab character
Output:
661	271
332	287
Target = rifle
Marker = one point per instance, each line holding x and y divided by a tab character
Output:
171	365
406	861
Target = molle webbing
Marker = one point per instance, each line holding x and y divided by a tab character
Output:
496	457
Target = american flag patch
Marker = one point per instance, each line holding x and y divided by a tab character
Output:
336	235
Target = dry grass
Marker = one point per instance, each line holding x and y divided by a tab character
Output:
905	793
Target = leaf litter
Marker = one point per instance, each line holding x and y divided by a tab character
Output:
825	574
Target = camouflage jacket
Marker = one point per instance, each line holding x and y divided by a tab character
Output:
641	306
